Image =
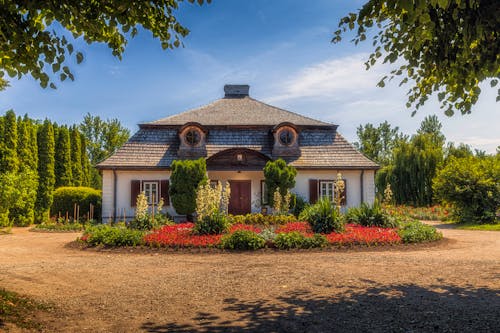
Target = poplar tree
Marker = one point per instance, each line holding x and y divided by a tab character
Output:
33	146
63	158
46	148
76	157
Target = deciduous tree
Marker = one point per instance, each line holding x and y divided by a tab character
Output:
36	36
446	47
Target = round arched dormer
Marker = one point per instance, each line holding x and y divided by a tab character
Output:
192	138
286	140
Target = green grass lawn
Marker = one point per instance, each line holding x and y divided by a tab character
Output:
18	310
488	227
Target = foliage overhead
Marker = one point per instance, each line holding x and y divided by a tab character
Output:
35	35
447	46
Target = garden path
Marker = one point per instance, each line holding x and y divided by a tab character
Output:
450	286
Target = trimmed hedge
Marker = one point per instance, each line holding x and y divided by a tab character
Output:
242	240
66	197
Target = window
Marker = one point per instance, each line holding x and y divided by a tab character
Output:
193	137
326	189
150	190
286	137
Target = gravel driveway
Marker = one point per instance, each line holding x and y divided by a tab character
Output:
453	286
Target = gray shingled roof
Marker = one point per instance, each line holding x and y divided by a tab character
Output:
238	111
157	148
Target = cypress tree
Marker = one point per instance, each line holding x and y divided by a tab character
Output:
23	147
63	158
2	127
33	146
10	162
85	161
46	148
76	157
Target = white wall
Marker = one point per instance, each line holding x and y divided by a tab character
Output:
124	179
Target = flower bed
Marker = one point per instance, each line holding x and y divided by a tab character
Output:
181	236
434	213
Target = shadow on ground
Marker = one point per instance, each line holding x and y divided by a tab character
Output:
405	308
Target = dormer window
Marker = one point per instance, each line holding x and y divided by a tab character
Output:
286	140
193	137
286	137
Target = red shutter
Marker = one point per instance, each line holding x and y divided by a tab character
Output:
313	191
135	189
164	184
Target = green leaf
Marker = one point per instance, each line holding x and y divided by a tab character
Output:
53	86
493	82
79	57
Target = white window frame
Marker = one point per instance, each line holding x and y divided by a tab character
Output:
329	187
150	187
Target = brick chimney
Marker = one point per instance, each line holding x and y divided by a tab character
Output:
236	90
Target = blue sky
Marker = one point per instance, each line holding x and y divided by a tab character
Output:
281	48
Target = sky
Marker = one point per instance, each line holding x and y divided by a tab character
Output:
281	48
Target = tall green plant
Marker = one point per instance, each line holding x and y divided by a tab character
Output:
62	166
76	157
278	176
46	181
9	162
323	216
186	176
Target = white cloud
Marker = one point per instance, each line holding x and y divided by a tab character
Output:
332	78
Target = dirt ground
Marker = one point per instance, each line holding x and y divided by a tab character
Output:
450	287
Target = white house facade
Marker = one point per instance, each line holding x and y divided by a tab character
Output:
236	135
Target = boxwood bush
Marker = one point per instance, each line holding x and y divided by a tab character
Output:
213	224
297	240
242	240
417	232
66	197
107	235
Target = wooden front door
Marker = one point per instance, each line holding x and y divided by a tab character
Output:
240	200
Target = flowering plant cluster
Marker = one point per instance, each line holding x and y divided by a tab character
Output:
357	234
180	235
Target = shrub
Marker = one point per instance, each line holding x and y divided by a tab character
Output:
370	216
215	223
186	176
242	240
472	186
66	197
55	227
417	232
261	219
323	217
297	240
299	204
278	175
112	236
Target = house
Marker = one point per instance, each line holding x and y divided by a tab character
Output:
237	135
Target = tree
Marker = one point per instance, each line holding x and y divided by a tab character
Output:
460	151
9	162
76	157
278	176
31	44
431	125
377	142
186	176
46	175
472	185
33	145
102	140
62	166
446	46
85	162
